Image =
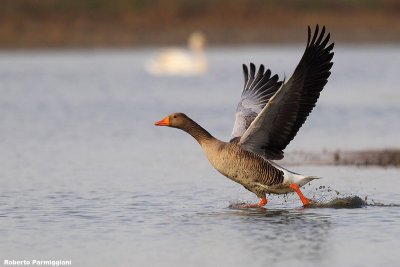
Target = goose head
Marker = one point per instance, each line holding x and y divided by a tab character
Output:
183	122
175	120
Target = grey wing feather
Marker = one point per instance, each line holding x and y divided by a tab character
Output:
279	121
258	89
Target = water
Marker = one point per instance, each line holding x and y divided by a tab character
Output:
85	176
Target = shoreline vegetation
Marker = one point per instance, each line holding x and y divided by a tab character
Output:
32	24
361	158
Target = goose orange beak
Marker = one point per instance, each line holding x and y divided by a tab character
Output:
163	122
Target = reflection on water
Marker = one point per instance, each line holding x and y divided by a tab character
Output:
279	232
84	174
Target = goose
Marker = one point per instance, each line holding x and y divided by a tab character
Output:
176	61
268	116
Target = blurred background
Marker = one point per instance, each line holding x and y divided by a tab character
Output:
86	176
128	23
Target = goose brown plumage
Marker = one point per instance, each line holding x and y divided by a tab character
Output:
268	117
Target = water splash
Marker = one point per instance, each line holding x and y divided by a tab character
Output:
351	202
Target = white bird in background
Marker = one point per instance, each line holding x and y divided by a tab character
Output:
177	61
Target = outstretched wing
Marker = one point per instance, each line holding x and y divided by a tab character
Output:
258	89
279	121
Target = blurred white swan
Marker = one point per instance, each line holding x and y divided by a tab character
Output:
176	61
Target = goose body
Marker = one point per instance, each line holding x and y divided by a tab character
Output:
255	173
268	117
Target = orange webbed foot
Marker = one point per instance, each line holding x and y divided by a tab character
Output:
262	203
303	199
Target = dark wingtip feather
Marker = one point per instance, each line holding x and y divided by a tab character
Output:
315	35
275	78
258	77
245	70
330	47
261	70
267	74
309	35
245	74
321	35
326	40
252	70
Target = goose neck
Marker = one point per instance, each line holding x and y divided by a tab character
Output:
198	132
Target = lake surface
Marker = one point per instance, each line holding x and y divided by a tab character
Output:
85	176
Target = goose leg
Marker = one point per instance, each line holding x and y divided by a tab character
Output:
303	199
262	203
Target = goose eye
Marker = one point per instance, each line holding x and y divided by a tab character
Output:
174	116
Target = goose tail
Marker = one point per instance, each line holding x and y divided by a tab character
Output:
302	180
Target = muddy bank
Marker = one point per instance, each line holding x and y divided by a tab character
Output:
384	158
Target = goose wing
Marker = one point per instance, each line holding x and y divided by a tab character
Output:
279	121
258	89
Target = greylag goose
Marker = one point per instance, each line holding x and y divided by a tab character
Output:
268	117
